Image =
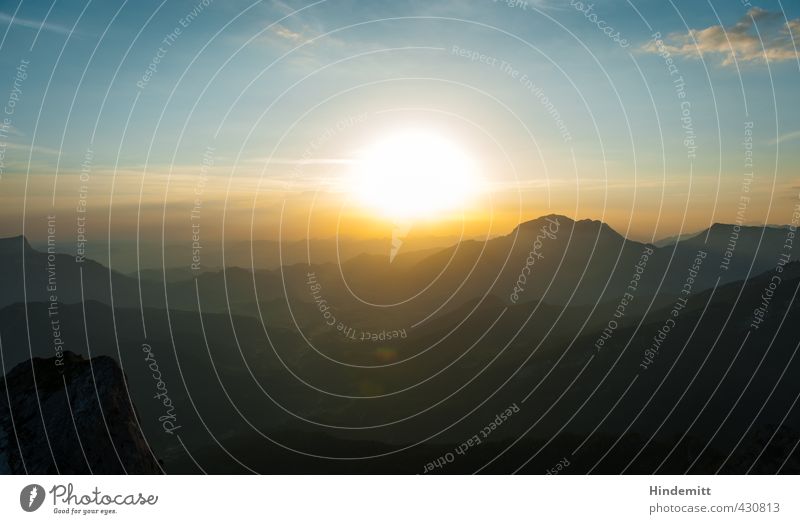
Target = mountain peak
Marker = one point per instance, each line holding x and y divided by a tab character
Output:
537	223
566	223
14	245
721	226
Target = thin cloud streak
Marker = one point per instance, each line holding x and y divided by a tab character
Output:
34	24
787	137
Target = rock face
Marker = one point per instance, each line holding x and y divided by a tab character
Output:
82	408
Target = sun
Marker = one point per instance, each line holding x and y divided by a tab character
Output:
414	173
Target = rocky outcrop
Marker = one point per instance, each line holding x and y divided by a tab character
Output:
70	416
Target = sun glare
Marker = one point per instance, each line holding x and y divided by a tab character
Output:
414	174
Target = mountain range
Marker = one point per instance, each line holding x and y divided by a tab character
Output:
453	337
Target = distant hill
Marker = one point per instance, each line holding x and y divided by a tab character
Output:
674	239
584	263
262	254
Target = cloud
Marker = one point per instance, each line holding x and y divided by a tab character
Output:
287	34
11	130
34	24
740	42
28	148
302	161
787	137
281	7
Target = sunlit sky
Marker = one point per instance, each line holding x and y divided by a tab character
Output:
279	99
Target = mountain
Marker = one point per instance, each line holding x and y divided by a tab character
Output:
264	254
263	369
27	274
674	239
573	262
70	415
560	261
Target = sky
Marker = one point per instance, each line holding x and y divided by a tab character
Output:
657	117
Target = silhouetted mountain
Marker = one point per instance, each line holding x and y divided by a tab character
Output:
261	254
50	275
70	415
264	360
574	262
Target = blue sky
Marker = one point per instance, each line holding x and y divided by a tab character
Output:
241	75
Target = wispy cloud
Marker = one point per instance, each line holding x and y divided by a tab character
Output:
34	24
287	34
739	42
794	135
302	161
282	7
27	148
13	131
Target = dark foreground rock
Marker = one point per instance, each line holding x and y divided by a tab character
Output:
74	418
